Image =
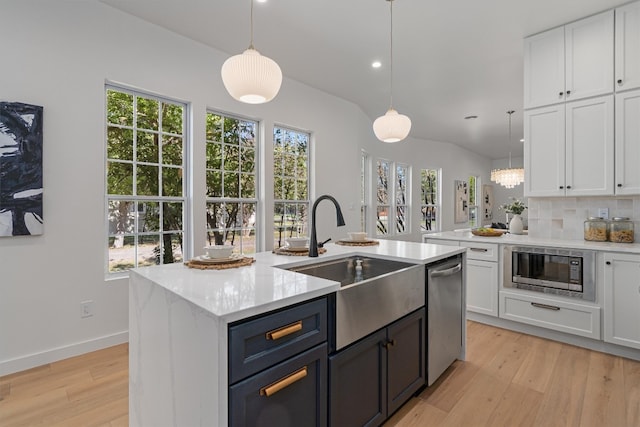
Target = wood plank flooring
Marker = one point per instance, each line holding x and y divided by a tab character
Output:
509	379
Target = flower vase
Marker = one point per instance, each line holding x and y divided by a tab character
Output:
515	225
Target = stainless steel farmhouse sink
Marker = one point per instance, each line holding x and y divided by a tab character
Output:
370	297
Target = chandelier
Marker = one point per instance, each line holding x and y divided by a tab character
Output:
392	127
250	77
510	177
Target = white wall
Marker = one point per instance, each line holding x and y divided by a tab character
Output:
59	55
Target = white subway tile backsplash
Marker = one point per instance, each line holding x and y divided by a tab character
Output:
564	217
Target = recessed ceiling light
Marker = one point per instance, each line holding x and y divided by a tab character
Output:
261	1
522	140
471	117
376	64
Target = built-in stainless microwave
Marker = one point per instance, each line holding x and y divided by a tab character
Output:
567	272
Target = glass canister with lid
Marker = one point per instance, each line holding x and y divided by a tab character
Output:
621	230
595	229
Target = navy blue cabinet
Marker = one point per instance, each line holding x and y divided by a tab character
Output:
371	379
278	368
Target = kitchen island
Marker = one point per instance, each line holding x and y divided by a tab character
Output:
179	325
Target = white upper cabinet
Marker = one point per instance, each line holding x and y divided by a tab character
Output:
628	142
544	151
569	149
628	47
569	63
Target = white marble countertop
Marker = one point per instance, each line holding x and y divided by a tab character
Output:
237	293
512	239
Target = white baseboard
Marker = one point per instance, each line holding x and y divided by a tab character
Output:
37	359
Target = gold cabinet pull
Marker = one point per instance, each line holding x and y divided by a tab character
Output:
283	382
284	331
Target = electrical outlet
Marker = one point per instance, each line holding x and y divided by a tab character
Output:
603	213
86	309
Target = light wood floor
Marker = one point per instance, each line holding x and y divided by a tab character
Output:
509	379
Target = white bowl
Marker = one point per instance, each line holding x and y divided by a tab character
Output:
218	251
357	236
297	242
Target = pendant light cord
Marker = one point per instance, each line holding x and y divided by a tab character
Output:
510	112
391	57
251	42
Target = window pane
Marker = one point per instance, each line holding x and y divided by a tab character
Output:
277	188
147	117
147	180
231	185
214	184
148	250
172	150
121	217
383	183
472	190
119	143
148	217
119	178
401	185
247	134
147	147
119	108
382	220
247	186
301	189
231	158
171	182
214	156
248	160
289	189
214	127
401	219
172	216
172	118
231	131
428	218
122	250
173	241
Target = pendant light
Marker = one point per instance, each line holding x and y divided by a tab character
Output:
510	177
250	77
393	126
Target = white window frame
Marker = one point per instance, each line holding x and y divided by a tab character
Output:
302	228
238	231
475	207
139	200
365	204
392	205
426	207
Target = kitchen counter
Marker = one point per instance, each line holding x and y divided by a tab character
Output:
179	317
512	239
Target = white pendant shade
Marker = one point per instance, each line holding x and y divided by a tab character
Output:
251	78
392	127
508	178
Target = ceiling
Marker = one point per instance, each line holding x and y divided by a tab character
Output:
451	59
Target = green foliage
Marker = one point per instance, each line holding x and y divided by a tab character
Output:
515	207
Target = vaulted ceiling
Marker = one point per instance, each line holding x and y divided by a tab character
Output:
452	58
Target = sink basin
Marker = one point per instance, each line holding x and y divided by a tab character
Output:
344	270
382	292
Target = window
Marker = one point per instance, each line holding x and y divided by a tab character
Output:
146	144
231	176
474	221
364	190
430	201
290	184
392	199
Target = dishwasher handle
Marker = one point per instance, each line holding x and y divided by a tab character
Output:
447	272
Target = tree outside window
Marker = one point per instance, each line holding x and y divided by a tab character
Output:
430	200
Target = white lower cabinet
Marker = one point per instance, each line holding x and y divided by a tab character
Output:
622	299
482	278
551	313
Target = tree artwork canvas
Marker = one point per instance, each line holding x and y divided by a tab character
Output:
20	169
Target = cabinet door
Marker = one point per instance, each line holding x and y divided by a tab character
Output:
544	68
406	359
291	394
544	151
358	383
589	145
589	56
628	47
628	142
482	287
622	299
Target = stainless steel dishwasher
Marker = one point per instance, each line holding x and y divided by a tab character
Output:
444	315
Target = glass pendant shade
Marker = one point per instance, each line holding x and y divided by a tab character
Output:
508	178
392	127
251	78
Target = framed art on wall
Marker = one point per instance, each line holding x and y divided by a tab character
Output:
20	169
461	198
